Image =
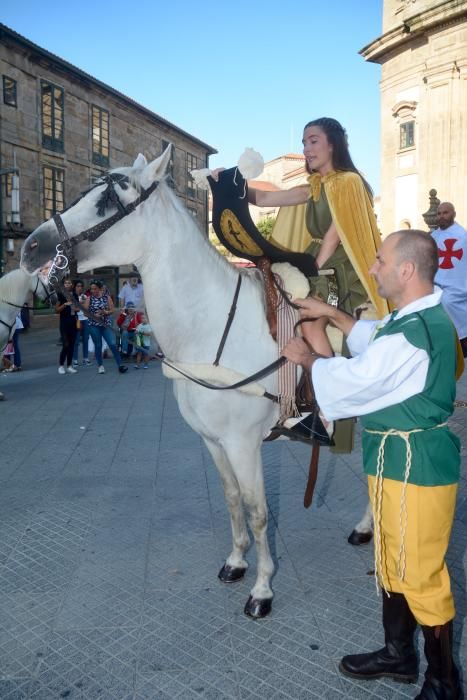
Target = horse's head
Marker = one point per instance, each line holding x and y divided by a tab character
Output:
97	229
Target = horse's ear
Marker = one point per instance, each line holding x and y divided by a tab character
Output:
155	170
140	162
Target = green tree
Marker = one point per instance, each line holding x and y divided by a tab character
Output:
266	225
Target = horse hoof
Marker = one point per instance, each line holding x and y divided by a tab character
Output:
230	574
256	607
356	538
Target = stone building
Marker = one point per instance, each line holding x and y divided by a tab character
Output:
62	128
423	54
281	173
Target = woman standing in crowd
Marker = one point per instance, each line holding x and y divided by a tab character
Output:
82	335
101	307
67	310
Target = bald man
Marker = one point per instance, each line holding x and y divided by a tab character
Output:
451	240
401	381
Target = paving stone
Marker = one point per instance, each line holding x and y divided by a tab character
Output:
111	539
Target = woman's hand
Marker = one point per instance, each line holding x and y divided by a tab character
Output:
328	247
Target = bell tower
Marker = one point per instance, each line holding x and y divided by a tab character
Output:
423	56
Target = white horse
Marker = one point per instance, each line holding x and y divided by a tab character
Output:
188	289
14	289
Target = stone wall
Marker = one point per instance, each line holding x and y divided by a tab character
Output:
133	129
423	54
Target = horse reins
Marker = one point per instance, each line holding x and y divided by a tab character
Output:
266	371
269	369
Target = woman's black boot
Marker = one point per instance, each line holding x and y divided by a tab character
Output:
397	659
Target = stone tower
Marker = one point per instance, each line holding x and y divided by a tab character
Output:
423	54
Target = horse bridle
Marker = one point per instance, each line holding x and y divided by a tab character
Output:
107	198
64	249
48	294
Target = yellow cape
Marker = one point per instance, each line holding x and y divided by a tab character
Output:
352	213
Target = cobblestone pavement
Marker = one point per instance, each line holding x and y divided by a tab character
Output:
113	528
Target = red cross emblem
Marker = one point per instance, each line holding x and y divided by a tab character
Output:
449	253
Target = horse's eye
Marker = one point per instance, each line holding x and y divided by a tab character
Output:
33	244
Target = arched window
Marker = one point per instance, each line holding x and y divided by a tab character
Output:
404	113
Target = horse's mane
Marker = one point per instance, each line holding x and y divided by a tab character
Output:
133	175
192	228
189	223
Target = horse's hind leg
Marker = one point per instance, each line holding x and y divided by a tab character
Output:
363	531
247	467
235	565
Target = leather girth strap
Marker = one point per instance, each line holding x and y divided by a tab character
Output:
305	400
312	475
270	292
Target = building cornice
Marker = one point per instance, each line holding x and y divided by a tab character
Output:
49	58
442	15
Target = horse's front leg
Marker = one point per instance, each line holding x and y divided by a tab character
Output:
247	467
363	531
235	565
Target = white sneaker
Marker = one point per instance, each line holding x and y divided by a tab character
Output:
71	370
75	363
61	369
101	369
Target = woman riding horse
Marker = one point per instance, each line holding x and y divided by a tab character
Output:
337	226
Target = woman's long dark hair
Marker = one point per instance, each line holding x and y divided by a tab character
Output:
337	137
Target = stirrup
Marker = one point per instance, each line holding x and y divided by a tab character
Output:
309	430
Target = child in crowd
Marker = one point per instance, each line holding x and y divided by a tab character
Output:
143	342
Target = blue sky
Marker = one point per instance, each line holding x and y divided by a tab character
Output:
233	74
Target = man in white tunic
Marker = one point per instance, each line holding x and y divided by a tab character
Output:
451	239
132	292
401	381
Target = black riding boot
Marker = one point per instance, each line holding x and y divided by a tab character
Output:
397	659
442	677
